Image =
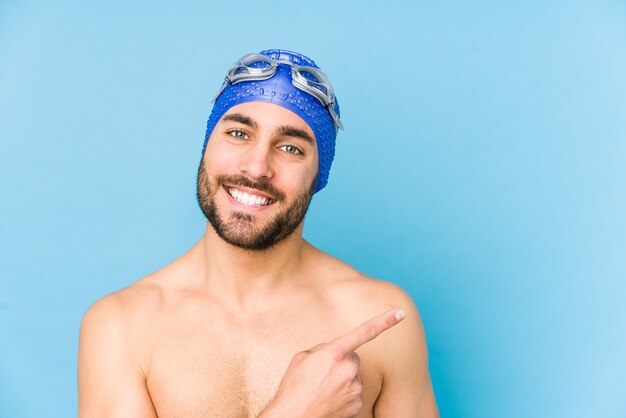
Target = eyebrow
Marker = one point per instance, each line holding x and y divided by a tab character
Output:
296	133
285	130
238	117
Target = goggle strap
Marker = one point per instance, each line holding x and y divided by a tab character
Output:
225	84
335	117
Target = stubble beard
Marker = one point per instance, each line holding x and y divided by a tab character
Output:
239	229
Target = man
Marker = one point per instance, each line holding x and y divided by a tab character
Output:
253	320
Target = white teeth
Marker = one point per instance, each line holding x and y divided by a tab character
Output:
248	199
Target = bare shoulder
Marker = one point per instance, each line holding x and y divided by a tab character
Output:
128	304
400	353
117	323
367	297
112	354
361	294
131	313
357	298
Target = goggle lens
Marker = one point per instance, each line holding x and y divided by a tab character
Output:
312	79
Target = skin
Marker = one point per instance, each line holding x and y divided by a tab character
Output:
287	331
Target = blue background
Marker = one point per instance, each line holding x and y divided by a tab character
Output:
482	169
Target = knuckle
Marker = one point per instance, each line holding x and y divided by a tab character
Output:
358	404
349	371
335	352
369	332
355	407
358	379
354	369
331	348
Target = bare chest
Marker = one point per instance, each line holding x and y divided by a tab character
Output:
209	368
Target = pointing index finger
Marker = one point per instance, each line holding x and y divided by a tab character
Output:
367	331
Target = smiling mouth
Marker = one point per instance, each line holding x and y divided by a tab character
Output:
247	198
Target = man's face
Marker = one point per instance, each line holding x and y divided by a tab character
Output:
258	174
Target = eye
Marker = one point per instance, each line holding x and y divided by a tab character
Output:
291	149
238	134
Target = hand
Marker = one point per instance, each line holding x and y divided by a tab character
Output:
324	381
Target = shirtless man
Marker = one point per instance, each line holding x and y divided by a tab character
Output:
254	321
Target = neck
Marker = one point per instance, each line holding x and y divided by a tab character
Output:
244	277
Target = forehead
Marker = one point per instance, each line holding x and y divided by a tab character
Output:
269	115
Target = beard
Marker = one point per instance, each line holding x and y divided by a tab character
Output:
238	228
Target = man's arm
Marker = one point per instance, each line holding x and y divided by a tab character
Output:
407	390
110	382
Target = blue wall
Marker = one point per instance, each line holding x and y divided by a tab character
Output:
482	168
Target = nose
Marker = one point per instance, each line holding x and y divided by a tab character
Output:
256	162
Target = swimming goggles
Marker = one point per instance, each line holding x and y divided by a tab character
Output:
309	79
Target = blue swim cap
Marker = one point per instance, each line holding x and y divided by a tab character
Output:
280	90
